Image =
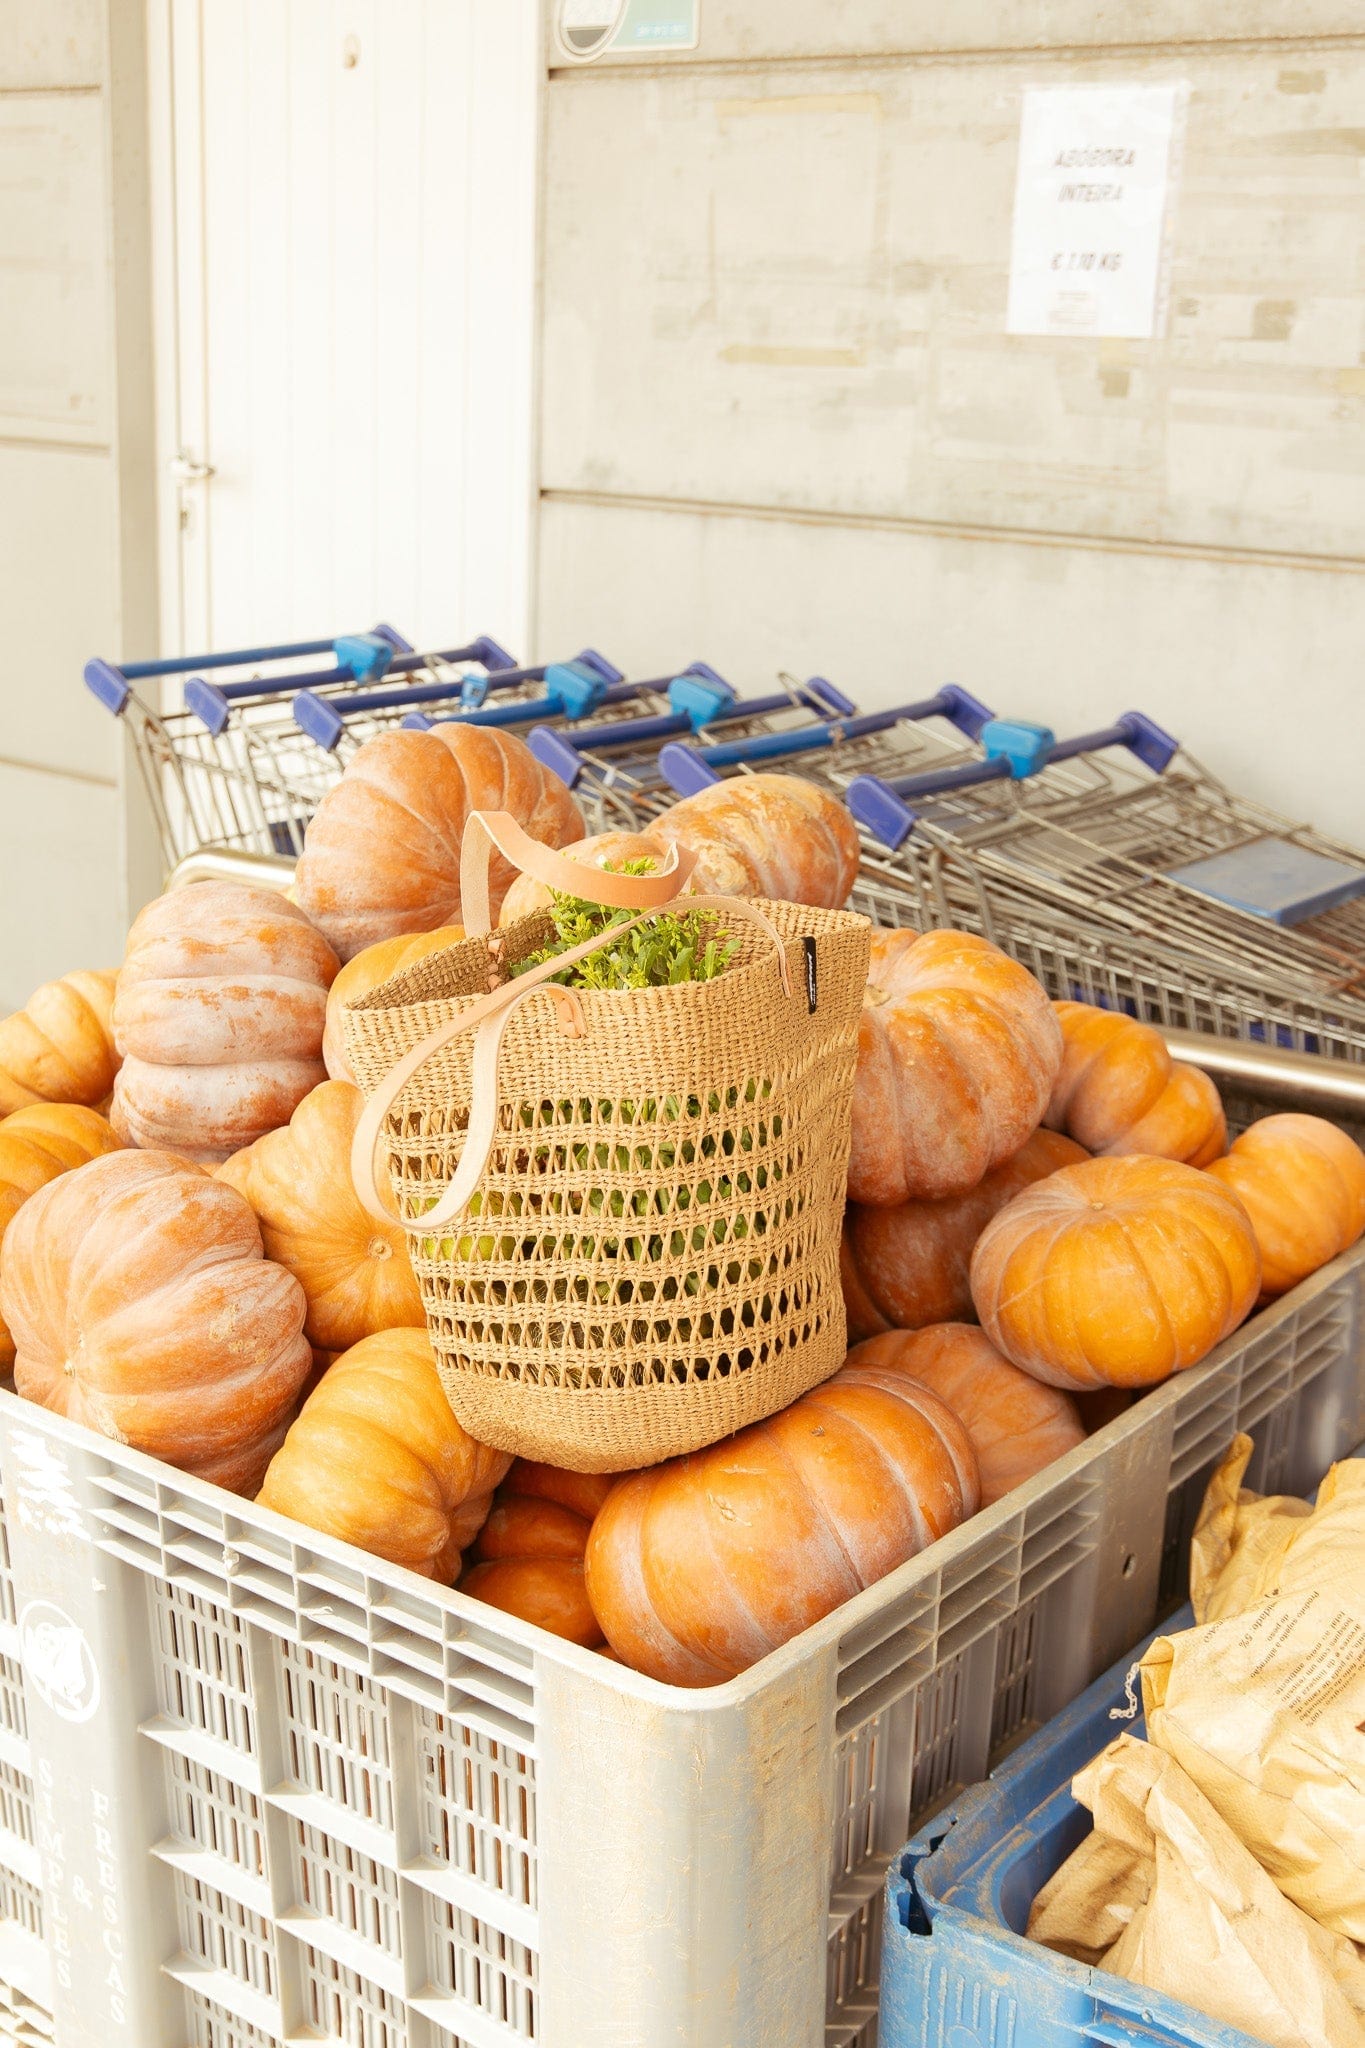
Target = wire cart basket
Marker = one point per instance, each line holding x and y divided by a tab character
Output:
1112	864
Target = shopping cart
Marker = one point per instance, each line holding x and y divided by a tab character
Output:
620	771
1119	869
230	768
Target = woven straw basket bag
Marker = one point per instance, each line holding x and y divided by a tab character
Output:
623	1207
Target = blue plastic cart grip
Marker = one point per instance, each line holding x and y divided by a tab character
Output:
366	655
883	807
208	703
476	688
1023	747
109	684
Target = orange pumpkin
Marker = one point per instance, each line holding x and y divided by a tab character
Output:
218	1013
355	1272
381	855
366	971
957	1053
1117	1272
36	1144
142	1305
1120	1091
1302	1182
60	1046
758	835
697	1568
905	1267
528	1559
1016	1424
376	1458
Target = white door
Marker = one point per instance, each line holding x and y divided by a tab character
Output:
344	200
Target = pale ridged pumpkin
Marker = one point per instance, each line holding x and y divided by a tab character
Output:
60	1046
143	1306
366	971
905	1267
36	1144
1302	1182
697	1568
957	1053
218	1013
354	1270
376	1458
381	855
1116	1272
528	1557
1016	1424
775	836
1120	1091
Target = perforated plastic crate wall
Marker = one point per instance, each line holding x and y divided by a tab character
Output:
302	1795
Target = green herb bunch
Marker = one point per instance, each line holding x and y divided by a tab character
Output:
671	947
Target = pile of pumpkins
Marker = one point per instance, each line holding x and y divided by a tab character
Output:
1043	1219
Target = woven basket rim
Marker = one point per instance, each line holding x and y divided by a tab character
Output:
811	921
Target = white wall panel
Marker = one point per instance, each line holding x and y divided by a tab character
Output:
796	299
54	333
58	582
783	31
1256	669
47	43
63	890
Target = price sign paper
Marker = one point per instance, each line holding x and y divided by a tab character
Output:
1095	164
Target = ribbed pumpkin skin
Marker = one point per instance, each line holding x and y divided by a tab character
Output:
777	836
376	1458
36	1144
366	971
1117	1272
906	1267
218	1013
1302	1182
60	1046
758	835
355	1272
1119	1091
528	1557
957	1054
142	1305
1016	1424
697	1568
381	855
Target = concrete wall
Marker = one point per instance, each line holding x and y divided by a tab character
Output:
782	423
76	528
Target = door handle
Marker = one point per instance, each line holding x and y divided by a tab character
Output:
186	470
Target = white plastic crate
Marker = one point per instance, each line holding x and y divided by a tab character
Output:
257	1788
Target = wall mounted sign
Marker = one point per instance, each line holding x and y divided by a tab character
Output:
589	28
1097	166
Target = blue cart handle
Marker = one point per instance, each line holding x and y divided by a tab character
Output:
109	682
570	684
688	769
698	704
1015	750
558	701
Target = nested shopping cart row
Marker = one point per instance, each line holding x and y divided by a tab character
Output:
1111	861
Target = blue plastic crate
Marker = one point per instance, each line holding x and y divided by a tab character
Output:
957	1971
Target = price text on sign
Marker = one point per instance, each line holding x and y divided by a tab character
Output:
1090	209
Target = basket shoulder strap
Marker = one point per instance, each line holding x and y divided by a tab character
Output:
485	830
488	1017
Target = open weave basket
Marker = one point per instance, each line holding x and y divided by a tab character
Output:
651	1258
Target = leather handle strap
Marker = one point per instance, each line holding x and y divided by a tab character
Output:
485	830
488	1018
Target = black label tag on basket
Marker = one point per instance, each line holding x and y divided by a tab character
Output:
812	984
